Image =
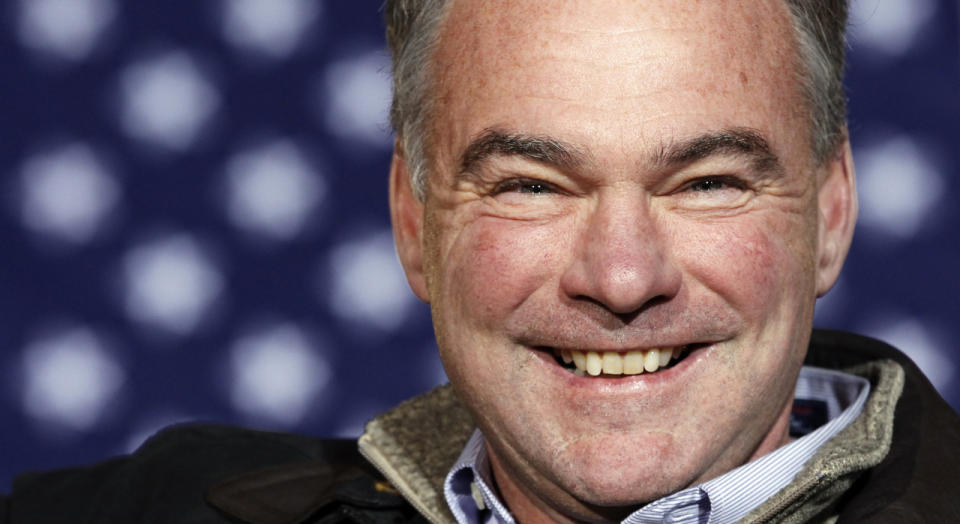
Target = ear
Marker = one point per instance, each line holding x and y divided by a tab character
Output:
406	214
837	201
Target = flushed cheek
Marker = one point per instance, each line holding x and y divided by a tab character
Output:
750	266
495	265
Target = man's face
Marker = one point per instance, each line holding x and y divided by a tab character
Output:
615	177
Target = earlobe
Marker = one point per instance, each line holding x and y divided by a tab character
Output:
837	201
406	214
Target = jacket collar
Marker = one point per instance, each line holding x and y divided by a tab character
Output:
415	444
412	445
816	491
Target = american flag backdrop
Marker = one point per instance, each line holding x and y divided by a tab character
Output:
193	217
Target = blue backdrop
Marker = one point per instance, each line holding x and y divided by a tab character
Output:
193	217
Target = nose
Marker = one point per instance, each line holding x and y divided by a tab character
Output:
622	260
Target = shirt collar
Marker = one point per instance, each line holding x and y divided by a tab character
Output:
467	487
727	498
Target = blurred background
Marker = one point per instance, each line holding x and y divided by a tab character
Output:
193	217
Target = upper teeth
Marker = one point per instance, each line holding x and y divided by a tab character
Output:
614	363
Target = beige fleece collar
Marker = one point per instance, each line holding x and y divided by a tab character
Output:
415	444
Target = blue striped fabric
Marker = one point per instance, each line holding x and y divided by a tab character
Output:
727	498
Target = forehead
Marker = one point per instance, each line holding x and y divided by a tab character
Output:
615	70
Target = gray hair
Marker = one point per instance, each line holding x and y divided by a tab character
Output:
412	27
412	34
820	31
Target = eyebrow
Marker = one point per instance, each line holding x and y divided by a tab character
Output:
496	142
737	141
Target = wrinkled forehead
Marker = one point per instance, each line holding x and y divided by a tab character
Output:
642	67
505	34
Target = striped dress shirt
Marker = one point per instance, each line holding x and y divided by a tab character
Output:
836	398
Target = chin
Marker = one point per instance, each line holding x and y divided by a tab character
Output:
618	472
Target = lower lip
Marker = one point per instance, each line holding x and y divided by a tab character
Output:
652	379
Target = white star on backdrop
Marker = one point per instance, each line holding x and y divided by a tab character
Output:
368	283
67	193
269	27
70	378
69	29
354	95
272	190
166	100
276	373
898	187
170	283
889	27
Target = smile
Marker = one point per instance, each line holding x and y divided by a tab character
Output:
596	363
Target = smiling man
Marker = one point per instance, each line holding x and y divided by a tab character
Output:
621	186
621	213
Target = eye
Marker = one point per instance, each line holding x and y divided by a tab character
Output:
713	192
715	183
523	198
524	186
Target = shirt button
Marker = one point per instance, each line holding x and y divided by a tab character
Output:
477	496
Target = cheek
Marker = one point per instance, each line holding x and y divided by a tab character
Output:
495	265
750	265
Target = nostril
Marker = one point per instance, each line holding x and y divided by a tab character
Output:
626	317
